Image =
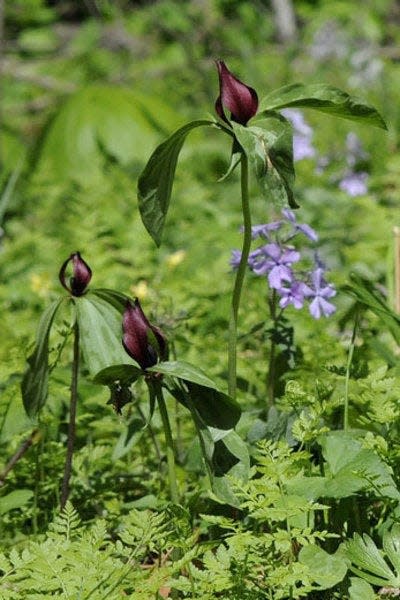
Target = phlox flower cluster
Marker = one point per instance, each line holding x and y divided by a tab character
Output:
280	262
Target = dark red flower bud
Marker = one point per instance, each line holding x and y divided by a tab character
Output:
144	342
77	282
240	99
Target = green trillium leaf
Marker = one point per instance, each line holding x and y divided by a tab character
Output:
324	98
269	149
100	333
184	370
115	299
34	385
215	408
125	374
155	182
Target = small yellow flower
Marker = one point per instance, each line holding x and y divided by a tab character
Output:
140	289
175	259
40	284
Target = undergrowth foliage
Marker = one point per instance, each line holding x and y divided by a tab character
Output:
172	426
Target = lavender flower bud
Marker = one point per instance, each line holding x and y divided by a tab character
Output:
78	281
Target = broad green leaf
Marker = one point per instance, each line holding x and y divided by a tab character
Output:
368	562
155	182
184	370
269	149
93	123
34	384
100	333
125	374
230	460
365	292
391	546
361	590
324	98
15	499
311	488
327	570
215	408
351	468
117	299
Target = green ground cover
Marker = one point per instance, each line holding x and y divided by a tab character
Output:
301	499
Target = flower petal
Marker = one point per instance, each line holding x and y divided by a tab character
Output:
240	99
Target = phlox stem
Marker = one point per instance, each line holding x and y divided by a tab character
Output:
240	274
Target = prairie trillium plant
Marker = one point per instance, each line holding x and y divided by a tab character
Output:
77	282
262	136
95	330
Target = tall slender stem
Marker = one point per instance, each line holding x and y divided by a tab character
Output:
240	273
65	488
272	355
170	444
347	378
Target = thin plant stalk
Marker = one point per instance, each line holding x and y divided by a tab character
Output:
34	436
65	487
272	355
347	378
240	274
169	442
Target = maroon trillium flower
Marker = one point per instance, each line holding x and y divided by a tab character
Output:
239	98
144	342
77	283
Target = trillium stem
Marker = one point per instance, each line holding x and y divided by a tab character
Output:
65	487
169	442
240	274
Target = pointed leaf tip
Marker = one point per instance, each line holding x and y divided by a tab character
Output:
156	180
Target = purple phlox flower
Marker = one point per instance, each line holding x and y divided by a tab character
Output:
236	256
355	151
355	184
294	294
319	293
274	261
264	230
303	227
302	134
